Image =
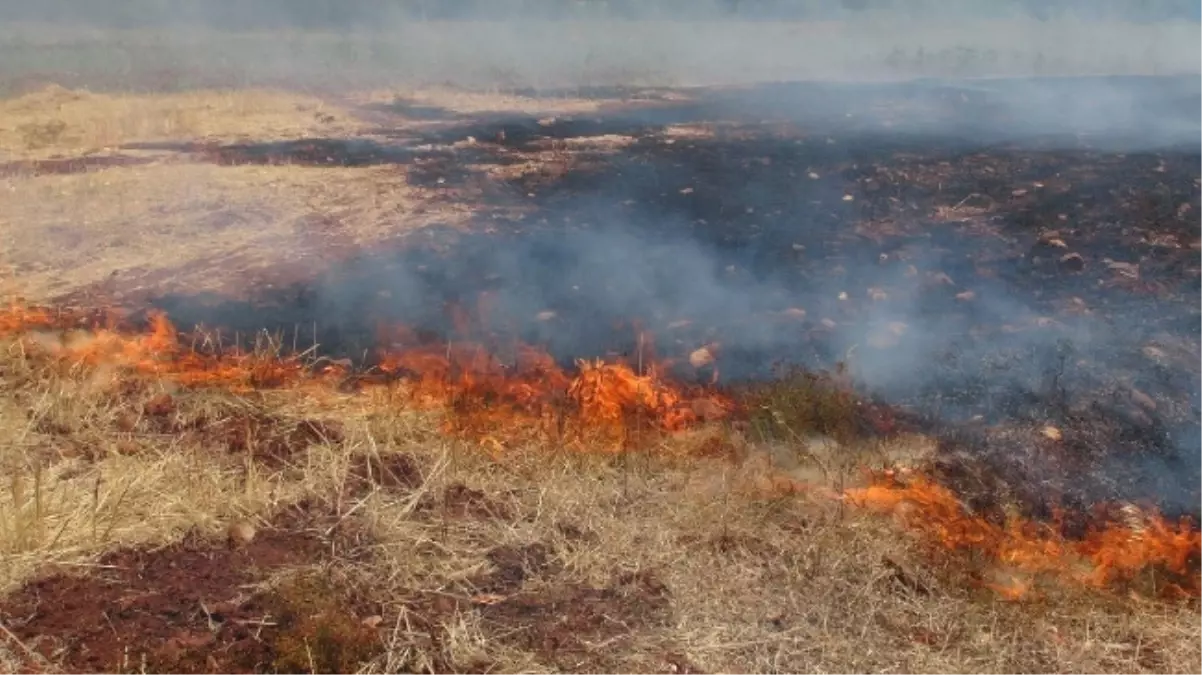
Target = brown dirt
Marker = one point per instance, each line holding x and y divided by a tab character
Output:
513	565
394	471
187	607
268	441
461	501
561	622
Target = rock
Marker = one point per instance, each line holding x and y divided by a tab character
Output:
1126	269
1072	262
241	533
701	357
1143	400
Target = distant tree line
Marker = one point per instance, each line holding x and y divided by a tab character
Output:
334	14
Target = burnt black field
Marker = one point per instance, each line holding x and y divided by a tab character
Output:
992	256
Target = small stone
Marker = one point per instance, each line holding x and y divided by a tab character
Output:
701	357
1143	400
1072	262
241	533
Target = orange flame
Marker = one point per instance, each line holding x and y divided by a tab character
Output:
158	351
1108	555
531	390
526	391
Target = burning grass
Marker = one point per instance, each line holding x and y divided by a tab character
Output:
470	558
531	400
489	399
1113	554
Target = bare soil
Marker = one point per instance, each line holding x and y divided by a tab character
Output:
192	606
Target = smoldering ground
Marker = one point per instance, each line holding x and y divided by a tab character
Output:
823	246
746	238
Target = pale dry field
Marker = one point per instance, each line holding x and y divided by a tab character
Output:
668	559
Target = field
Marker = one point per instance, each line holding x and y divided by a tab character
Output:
438	378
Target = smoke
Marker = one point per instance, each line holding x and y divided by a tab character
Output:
567	43
717	236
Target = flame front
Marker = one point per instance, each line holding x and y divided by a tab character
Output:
1110	554
158	351
531	391
506	396
523	394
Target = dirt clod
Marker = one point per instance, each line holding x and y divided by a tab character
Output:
561	623
271	442
241	533
460	501
184	608
397	471
513	565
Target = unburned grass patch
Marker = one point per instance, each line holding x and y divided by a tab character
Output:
801	403
55	119
94	412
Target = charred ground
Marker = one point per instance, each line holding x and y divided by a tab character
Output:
977	272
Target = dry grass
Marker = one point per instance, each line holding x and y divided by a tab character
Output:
62	232
467	102
754	582
55	121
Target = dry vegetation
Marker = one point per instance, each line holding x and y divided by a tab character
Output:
543	560
144	525
129	206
